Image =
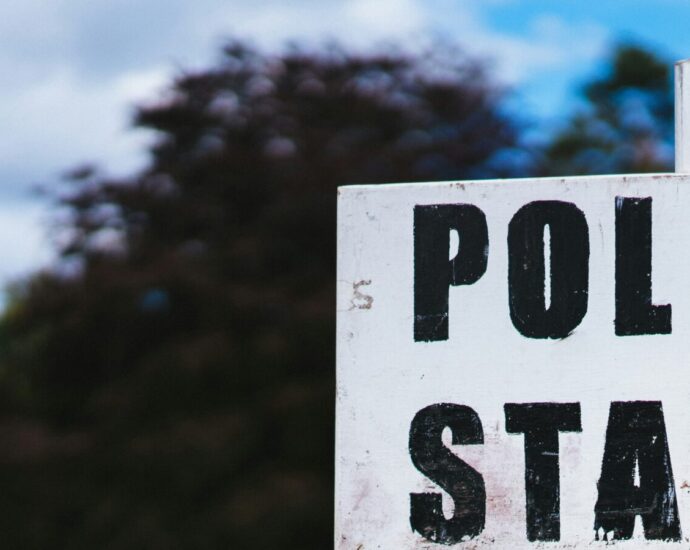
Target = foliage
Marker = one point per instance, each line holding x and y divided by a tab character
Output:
626	125
170	384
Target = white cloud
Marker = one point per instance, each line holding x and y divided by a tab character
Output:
63	115
53	125
74	68
548	44
22	241
62	120
353	22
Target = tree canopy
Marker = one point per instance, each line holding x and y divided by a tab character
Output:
170	384
626	122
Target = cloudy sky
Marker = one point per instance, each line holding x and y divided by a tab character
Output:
73	69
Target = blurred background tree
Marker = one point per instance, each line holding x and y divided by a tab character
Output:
170	383
626	122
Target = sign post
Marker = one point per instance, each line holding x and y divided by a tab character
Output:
513	361
682	73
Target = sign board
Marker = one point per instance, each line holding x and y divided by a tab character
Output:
513	364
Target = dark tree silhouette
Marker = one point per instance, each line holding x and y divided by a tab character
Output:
626	125
170	384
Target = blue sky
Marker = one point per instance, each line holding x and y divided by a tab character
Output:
73	69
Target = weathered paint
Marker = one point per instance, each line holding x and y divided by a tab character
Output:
609	357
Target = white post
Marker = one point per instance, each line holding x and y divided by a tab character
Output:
683	116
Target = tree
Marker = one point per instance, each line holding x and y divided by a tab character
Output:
626	125
170	384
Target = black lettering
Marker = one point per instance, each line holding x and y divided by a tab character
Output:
635	313
434	273
462	482
541	422
569	269
636	437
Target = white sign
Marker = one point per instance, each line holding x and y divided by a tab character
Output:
514	364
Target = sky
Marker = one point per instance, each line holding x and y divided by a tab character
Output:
73	70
